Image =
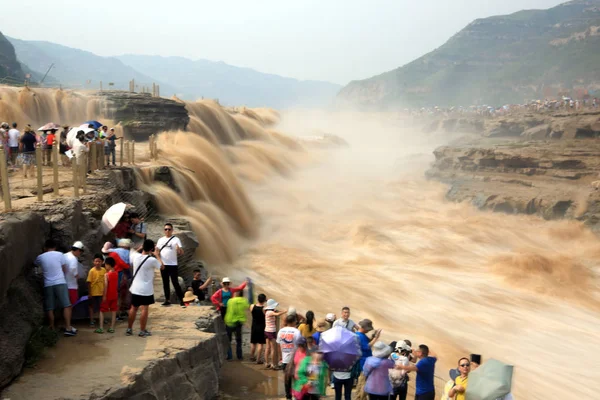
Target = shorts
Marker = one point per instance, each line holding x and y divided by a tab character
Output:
95	301
56	296
425	396
270	335
73	296
109	305
137	301
106	150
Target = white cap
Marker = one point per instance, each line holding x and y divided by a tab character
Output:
226	280
78	245
330	317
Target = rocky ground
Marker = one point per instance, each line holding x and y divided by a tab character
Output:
508	165
179	361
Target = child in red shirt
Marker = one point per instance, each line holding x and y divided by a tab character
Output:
111	294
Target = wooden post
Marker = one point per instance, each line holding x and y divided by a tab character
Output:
102	156
157	90
75	162
126	151
153	89
122	142
4	178
83	173
39	163
55	156
100	86
155	149
93	160
133	152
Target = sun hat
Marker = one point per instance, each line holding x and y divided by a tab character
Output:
322	325
78	246
189	297
330	317
454	373
366	324
226	280
291	311
271	304
381	350
403	346
125	243
107	247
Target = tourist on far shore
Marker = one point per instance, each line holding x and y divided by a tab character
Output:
376	371
425	368
257	332
56	293
72	271
13	143
95	282
170	247
345	322
223	295
110	296
142	284
271	353
234	320
288	339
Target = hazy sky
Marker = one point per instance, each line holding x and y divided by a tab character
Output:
333	40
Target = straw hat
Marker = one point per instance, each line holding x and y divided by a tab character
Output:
189	297
381	350
322	325
271	304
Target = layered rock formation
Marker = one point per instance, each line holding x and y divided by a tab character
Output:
550	179
142	115
9	65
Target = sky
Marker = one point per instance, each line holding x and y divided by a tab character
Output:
331	40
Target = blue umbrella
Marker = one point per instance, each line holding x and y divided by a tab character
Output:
340	348
96	124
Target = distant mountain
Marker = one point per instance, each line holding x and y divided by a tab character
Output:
74	67
10	68
504	59
232	85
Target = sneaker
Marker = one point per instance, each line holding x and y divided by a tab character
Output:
128	332
166	303
144	334
331	385
182	305
70	332
148	333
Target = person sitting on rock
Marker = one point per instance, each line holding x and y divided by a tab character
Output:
199	286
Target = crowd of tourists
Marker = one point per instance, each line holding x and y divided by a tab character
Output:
382	371
20	146
120	284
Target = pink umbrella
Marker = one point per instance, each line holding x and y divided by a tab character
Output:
50	126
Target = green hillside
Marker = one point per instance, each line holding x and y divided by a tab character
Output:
497	60
10	68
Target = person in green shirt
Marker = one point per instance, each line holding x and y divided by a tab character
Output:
235	317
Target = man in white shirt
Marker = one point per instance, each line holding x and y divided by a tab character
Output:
345	322
56	294
72	271
288	339
13	143
170	247
143	267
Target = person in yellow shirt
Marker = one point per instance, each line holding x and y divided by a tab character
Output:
461	381
95	281
308	328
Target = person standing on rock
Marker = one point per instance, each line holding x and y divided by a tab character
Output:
234	320
257	332
56	293
288	339
137	230
142	284
223	295
345	322
112	146
271	353
72	270
170	247
425	368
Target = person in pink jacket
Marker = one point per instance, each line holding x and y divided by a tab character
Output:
223	295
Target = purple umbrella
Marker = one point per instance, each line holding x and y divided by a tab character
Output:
340	348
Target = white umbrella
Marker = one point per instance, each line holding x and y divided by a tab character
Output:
72	134
112	216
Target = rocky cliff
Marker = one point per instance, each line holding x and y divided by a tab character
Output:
142	115
498	60
9	65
